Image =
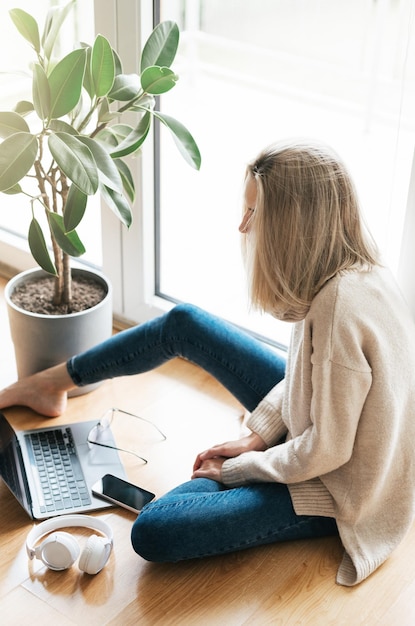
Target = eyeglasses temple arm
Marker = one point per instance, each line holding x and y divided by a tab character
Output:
105	445
140	418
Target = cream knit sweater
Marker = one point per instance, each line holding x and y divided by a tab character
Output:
347	408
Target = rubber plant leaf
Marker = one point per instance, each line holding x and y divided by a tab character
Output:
59	126
125	88
102	66
146	102
183	139
88	82
12	123
157	80
41	92
27	27
75	206
127	178
54	20
108	137
104	113
135	139
75	160
114	135
17	155
161	47
65	83
118	204
119	132
24	107
13	190
117	63
38	248
107	171
68	242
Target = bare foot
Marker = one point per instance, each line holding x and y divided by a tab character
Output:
44	392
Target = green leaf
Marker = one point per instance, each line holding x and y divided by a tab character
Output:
88	84
107	170
11	123
183	139
161	47
114	135
121	131
38	248
59	126
75	160
13	190
74	208
157	80
135	139
54	20
17	155
41	92
77	115
125	88
146	102
27	27
107	137
68	242
127	178
65	83
118	204
102	66
104	113
24	107
117	62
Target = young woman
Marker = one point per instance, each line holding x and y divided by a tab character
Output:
332	429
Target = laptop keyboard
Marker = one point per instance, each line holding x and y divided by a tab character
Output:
60	478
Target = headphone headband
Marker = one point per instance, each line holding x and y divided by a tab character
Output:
64	521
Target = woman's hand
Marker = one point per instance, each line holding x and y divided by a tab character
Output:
211	468
209	463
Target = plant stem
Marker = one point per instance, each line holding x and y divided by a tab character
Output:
67	279
40	176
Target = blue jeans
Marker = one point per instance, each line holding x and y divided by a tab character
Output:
203	517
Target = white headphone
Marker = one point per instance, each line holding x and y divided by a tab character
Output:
60	550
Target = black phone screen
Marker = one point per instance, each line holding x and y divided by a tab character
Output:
125	493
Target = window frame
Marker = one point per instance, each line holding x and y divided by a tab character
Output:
129	256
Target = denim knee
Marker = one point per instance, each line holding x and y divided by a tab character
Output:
182	315
165	530
147	539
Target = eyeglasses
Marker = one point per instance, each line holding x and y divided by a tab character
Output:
96	435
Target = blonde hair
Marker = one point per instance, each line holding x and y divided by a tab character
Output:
306	227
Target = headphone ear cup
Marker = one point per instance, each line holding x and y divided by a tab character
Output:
95	555
59	551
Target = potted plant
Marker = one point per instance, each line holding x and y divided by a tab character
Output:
71	142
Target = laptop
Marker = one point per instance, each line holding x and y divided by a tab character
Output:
51	470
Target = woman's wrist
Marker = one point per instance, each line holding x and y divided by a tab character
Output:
256	442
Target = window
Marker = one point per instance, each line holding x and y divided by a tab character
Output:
253	72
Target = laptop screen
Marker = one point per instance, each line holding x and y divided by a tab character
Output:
10	463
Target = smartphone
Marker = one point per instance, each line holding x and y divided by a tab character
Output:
121	492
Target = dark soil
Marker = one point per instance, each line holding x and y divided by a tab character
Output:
36	296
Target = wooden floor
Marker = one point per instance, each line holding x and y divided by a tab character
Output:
287	584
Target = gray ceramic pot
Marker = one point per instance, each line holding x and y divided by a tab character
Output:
41	341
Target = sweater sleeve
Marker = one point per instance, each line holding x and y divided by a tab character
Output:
322	446
266	420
